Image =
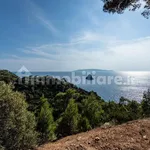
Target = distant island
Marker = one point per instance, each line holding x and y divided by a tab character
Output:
91	70
89	77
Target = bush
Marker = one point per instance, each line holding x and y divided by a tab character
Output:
17	125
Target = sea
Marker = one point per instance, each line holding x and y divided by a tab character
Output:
108	84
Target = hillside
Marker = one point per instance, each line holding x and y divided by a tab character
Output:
60	109
134	135
7	76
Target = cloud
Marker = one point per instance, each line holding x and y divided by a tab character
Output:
32	64
100	41
38	52
40	15
47	24
121	56
89	36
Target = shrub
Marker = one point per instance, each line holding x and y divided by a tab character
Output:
17	125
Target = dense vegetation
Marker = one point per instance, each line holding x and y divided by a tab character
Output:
7	76
56	109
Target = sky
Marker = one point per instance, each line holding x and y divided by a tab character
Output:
66	35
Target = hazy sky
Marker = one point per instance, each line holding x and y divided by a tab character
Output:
50	35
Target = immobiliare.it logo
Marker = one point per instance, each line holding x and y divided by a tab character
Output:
23	72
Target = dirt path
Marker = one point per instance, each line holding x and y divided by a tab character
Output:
133	135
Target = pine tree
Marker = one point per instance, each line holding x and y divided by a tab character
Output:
84	124
46	125
69	121
134	110
61	101
146	104
92	110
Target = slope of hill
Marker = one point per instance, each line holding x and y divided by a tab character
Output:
7	76
134	135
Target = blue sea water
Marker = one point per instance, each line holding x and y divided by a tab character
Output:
110	85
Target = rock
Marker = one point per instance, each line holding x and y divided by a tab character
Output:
145	137
97	139
79	138
89	142
106	125
89	77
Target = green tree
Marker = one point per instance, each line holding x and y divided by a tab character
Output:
122	111
68	123
127	110
84	124
17	125
110	111
92	110
61	101
146	104
119	6
134	110
46	125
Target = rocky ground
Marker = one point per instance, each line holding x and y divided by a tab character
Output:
133	135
